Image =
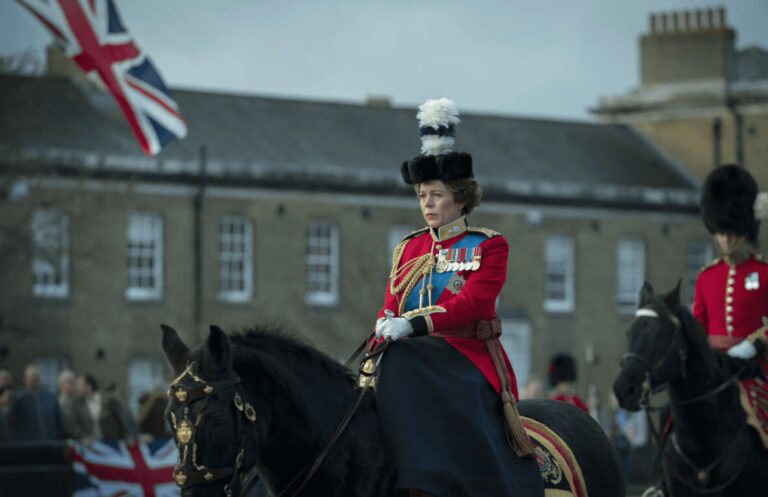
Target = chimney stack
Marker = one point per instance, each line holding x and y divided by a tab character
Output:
677	50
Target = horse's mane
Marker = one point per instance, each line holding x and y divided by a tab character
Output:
271	343
696	334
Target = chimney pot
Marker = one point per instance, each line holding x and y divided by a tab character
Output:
378	101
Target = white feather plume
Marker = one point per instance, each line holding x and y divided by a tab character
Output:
761	206
434	114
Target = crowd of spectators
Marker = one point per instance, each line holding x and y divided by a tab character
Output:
80	409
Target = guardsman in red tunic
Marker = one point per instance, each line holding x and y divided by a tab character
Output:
562	376
731	296
446	392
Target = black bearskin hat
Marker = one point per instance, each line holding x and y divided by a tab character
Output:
728	201
562	367
437	124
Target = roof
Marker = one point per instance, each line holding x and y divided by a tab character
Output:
335	146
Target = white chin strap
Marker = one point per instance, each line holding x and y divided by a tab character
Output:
648	313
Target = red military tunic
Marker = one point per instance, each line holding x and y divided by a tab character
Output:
469	296
731	301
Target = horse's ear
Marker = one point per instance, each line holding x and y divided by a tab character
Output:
217	356
672	299
175	350
646	294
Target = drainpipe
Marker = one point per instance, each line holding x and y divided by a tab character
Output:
739	121
717	131
198	238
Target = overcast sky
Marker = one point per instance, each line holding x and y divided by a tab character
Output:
552	58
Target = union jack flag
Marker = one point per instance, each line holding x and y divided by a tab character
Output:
112	468
92	34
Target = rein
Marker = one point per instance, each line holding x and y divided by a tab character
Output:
188	472
703	475
369	368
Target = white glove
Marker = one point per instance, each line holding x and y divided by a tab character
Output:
743	350
379	322
394	328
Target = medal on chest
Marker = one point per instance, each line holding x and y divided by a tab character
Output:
459	259
752	281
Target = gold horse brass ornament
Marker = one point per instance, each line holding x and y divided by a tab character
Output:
185	431
180	477
181	395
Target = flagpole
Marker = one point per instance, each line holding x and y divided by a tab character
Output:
198	239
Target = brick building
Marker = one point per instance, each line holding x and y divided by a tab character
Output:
287	210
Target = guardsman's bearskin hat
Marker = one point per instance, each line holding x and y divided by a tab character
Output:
562	367
728	201
437	124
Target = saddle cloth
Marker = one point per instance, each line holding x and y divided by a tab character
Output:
558	466
754	401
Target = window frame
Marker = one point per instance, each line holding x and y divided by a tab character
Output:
54	264
245	294
329	297
566	253
137	223
625	305
134	388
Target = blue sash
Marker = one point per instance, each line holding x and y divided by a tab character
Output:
440	280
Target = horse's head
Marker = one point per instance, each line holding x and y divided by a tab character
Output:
208	414
656	348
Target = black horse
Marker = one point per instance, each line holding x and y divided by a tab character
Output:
260	399
711	451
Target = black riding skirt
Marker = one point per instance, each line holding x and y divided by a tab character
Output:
444	425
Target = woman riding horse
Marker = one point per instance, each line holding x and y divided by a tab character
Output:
442	390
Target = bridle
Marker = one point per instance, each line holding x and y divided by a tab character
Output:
703	475
678	345
188	471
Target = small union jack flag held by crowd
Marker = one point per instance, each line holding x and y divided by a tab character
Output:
112	468
92	34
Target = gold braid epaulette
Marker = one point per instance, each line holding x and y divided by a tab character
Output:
484	231
714	262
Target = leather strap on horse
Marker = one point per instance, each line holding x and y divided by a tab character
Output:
488	332
362	390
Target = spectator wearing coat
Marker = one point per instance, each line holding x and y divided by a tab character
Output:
101	413
36	411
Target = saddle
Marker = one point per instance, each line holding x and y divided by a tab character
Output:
558	466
